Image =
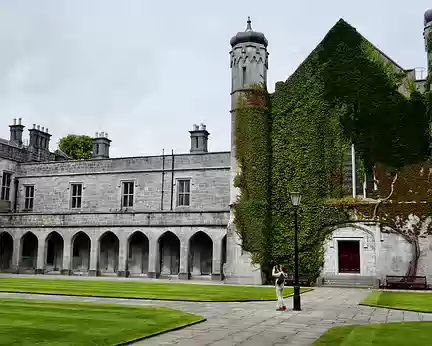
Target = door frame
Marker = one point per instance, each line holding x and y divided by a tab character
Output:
360	240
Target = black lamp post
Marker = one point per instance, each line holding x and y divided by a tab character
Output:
295	200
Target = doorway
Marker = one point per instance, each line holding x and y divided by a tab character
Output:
349	256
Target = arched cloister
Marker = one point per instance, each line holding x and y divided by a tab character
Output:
138	254
29	250
108	253
169	250
200	254
54	245
81	252
6	251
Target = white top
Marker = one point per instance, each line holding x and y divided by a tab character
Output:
275	273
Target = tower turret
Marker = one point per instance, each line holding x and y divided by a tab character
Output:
249	64
199	139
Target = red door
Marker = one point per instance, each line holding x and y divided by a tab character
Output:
349	256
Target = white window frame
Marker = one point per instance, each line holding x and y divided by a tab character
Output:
72	196
131	196
178	186
29	199
6	189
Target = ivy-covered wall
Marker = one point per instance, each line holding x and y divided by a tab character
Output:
345	92
309	152
252	209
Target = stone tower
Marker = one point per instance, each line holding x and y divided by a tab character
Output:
249	64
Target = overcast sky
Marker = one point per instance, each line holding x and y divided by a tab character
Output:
145	71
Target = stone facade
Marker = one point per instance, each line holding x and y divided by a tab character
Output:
160	216
381	253
167	235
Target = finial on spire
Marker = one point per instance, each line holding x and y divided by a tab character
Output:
249	25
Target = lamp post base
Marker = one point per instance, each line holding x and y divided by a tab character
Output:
296	299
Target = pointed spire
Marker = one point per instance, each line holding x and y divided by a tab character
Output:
249	25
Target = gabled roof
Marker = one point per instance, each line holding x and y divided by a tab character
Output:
340	26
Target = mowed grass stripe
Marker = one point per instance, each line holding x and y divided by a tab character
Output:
394	334
32	322
140	290
410	301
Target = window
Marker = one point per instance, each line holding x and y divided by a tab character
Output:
196	142
183	198
244	75
6	184
29	197
127	194
76	195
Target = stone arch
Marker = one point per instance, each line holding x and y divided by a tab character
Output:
54	245
29	251
350	249
6	251
81	245
169	253
138	253
200	254
109	246
353	225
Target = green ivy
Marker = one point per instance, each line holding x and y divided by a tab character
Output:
253	150
299	138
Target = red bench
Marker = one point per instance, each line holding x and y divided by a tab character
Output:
406	282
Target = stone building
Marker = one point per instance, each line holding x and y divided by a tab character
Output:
161	216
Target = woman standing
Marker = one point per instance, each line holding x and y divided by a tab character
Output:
278	273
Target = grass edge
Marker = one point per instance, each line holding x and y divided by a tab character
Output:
159	299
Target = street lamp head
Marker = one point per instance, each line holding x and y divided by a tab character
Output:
295	198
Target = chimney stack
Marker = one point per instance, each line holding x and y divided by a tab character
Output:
199	139
101	145
16	132
39	137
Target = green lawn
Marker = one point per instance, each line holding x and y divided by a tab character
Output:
140	290
412	301
390	334
32	322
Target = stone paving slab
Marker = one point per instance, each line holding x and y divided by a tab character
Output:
257	323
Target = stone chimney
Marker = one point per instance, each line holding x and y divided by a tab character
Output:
16	132
199	139
39	137
101	145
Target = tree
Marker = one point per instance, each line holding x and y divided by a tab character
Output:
77	147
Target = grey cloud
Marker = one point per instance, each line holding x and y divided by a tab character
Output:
146	71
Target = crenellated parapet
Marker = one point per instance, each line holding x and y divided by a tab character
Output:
244	54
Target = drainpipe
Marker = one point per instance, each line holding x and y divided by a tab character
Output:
353	165
16	183
172	177
163	177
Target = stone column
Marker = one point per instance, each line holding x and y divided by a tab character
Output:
94	254
184	260
41	255
123	247
217	258
153	260
67	256
16	255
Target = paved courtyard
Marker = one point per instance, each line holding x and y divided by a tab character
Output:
258	324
